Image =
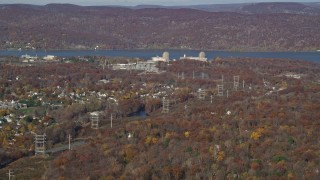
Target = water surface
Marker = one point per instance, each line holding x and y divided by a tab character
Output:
174	54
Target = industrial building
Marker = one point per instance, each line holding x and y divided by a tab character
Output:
201	57
147	66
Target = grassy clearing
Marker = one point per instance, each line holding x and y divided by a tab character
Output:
26	168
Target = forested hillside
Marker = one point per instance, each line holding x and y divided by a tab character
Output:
74	27
267	126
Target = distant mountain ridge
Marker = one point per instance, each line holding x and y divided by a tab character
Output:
66	26
249	8
271	8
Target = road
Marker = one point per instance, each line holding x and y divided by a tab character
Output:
65	147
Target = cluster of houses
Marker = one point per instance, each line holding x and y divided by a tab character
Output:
80	96
11	105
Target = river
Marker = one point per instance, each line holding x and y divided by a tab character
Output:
174	54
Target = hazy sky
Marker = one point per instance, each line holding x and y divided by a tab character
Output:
137	2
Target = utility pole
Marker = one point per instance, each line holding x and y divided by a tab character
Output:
186	110
104	64
69	142
111	117
227	93
211	97
10	174
222	79
248	37
45	48
192	74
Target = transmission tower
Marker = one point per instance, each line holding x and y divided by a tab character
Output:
165	105
40	140
94	117
181	76
236	82
10	174
220	90
202	94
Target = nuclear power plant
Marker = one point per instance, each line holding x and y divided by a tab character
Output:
150	66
